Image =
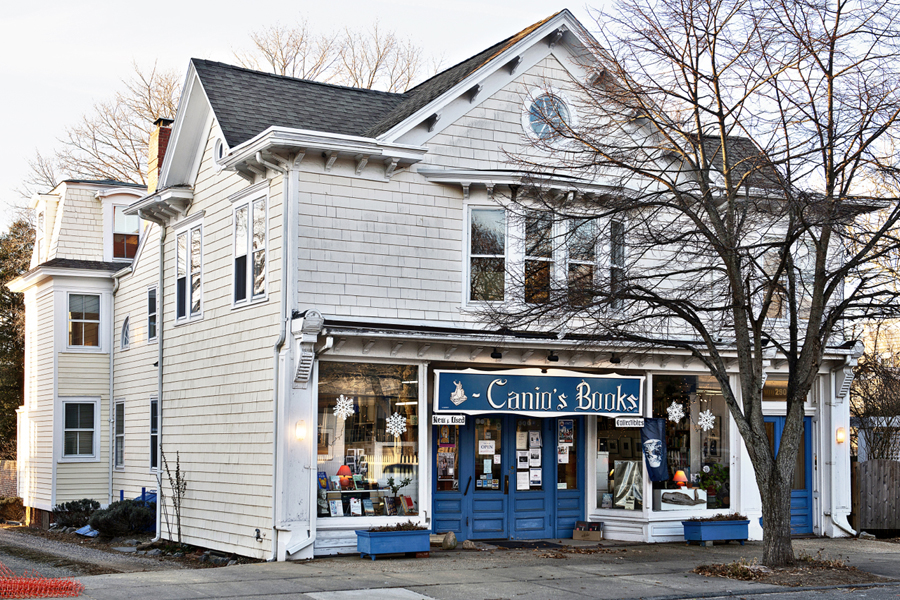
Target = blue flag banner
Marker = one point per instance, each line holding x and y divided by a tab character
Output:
653	441
533	393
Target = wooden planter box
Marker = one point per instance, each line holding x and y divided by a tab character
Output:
706	532
373	543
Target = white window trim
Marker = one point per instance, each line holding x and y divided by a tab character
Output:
125	334
152	340
153	470
109	225
467	240
530	98
187	228
100	347
247	201
117	435
61	402
424	440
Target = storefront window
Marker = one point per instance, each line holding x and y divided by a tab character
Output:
698	456
567	455
368	440
619	466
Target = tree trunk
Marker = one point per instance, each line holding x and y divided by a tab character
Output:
776	514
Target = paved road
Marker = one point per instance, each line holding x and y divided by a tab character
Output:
643	571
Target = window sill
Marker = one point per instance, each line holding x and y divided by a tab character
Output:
244	305
84	350
77	459
188	320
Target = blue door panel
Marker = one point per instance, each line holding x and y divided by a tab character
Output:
445	525
569	503
452	505
530	504
488	505
801	500
482	525
524	524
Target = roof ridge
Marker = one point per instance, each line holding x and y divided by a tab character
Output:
296	79
501	43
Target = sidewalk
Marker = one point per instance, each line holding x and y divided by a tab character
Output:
641	571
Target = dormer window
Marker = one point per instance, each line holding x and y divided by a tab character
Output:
126	232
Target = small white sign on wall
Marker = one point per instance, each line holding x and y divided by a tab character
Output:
629	422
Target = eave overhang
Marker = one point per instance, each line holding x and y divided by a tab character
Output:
276	144
545	181
164	205
38	274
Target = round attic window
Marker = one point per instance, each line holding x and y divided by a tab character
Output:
546	115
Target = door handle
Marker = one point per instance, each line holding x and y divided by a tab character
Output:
467	485
506	485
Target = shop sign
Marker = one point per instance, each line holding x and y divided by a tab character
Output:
448	419
532	392
629	422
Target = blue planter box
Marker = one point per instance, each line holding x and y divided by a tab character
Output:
373	543
709	531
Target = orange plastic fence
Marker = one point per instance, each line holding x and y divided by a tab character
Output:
33	585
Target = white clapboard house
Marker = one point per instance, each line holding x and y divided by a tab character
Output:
290	310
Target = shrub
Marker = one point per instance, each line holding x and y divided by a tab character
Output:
75	513
124	518
408	526
11	509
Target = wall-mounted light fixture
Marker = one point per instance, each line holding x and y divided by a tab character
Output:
615	359
496	354
300	430
552	357
840	435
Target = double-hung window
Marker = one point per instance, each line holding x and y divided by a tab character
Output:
120	434
189	272
154	433
151	314
78	428
582	255
539	264
126	233
487	254
250	250
616	262
84	320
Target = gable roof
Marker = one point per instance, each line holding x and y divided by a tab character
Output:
247	102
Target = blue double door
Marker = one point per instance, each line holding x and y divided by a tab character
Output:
801	488
513	477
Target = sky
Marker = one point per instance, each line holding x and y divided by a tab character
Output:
61	57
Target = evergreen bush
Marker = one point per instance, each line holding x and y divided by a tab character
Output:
75	513
126	517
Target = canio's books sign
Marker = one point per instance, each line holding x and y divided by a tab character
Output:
534	393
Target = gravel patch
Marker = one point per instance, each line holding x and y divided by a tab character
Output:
21	551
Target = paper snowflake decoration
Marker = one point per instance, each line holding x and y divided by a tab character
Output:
396	425
344	407
707	420
676	412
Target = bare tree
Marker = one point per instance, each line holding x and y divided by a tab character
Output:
292	51
875	395
110	142
723	150
368	59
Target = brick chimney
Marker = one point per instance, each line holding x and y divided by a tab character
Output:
156	151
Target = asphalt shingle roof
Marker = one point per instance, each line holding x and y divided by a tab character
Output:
74	263
246	102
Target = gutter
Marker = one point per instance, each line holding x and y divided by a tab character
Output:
112	396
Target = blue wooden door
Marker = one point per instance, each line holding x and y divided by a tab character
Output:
478	493
801	488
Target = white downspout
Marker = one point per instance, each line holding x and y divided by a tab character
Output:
112	401
286	242
159	367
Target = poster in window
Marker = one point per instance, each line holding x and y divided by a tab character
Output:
521	440
562	455
522	459
534	457
653	441
486	447
535	477
534	439
522	480
446	460
566	431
